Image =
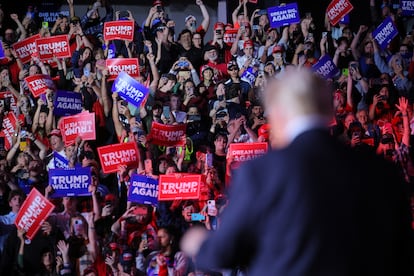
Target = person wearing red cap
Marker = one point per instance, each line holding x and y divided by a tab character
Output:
243	34
218	41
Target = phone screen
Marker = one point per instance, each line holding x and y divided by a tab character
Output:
166	111
209	160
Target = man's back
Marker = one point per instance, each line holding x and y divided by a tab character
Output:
315	208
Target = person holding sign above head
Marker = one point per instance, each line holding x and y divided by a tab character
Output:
300	218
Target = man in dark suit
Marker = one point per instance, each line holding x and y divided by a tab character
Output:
311	206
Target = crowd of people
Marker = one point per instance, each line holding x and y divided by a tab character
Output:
214	87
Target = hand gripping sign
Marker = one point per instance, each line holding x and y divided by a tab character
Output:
34	211
54	46
82	125
8	129
26	48
39	84
121	29
143	189
119	154
337	9
117	65
283	15
179	186
129	89
325	67
167	135
70	182
385	32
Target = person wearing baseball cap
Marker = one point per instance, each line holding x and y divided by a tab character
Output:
211	54
58	147
191	22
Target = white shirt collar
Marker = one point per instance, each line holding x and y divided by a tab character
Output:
304	123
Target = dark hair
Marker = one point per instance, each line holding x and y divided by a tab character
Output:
184	32
14	193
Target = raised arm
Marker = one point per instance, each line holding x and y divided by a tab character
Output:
403	107
23	33
206	17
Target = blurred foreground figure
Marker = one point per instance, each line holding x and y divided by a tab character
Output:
311	206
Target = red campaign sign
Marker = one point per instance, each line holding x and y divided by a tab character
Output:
8	129
337	9
117	65
123	30
34	211
82	125
38	84
179	186
53	46
119	154
241	152
8	96
167	135
229	36
26	48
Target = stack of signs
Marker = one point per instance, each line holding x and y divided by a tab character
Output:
26	48
143	189
70	182
167	135
385	32
179	186
79	125
122	30
39	84
129	89
34	211
326	68
113	156
337	10
67	103
283	15
117	65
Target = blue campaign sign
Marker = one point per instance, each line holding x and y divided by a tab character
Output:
129	89
283	15
70	182
1	50
385	32
67	103
407	7
60	161
345	19
143	189
325	67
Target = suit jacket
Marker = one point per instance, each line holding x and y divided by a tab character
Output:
315	207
